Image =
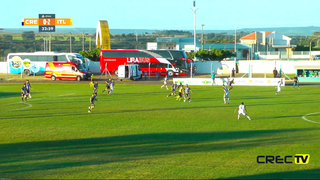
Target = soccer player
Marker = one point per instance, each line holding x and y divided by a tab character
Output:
28	86
279	86
24	94
95	87
92	81
187	91
226	94
180	90
242	110
230	84
165	82
107	86
295	81
111	87
213	75
173	89
92	100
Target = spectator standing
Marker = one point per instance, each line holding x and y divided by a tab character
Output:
295	81
213	78
233	72
194	70
145	74
275	72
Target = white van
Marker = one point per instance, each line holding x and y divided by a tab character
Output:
131	71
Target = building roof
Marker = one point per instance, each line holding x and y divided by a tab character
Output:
268	32
252	36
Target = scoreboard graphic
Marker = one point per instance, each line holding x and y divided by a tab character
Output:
47	22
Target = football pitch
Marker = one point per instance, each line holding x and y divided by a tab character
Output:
138	133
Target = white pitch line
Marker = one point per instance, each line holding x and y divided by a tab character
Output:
304	118
51	97
30	105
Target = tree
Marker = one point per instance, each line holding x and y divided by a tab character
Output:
245	53
91	54
28	36
212	55
7	37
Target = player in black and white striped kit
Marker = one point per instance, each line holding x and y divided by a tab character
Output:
28	87
173	89
187	91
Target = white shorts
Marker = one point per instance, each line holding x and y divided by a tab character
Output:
242	112
279	89
226	95
165	83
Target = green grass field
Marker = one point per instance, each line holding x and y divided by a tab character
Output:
137	133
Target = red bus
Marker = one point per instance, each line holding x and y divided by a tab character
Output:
148	61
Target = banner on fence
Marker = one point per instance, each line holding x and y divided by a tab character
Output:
258	81
237	81
200	81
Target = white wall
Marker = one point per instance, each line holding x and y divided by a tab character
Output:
151	45
261	66
204	67
3	67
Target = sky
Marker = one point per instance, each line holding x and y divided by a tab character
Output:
166	14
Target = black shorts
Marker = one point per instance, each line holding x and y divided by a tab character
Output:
180	94
188	94
28	91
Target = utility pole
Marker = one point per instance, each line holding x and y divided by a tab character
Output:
44	44
89	43
70	42
82	40
136	40
202	40
310	50
0	43
50	42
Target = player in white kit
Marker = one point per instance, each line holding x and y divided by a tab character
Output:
165	82
279	87
242	110
226	94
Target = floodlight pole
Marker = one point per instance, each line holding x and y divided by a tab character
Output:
194	34
202	40
235	48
